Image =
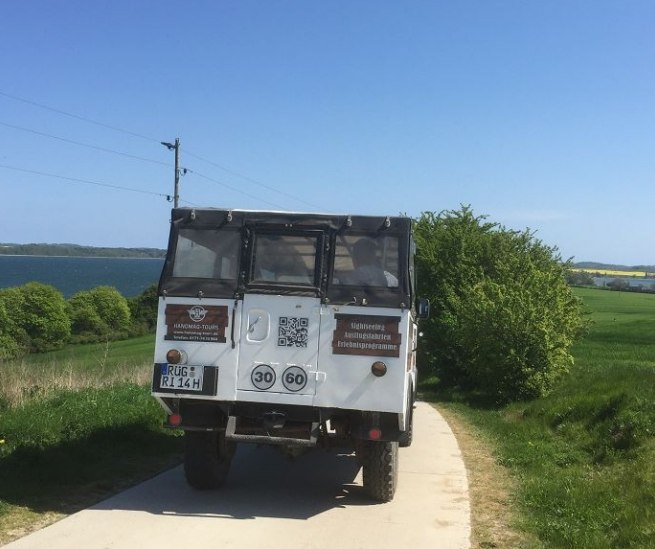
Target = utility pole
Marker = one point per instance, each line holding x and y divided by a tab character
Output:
176	148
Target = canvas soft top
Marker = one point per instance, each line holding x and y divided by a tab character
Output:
329	226
216	217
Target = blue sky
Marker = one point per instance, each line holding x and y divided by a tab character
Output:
537	114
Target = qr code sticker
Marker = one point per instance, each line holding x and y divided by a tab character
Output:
293	332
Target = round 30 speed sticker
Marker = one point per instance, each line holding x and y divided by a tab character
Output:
263	377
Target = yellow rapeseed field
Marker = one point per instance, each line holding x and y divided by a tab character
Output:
609	272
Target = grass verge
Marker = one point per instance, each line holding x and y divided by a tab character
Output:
494	513
584	456
75	367
75	428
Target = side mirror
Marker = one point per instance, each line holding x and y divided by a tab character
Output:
422	308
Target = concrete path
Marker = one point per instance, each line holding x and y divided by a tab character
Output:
314	502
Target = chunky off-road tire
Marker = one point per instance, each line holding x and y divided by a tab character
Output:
406	437
380	469
207	458
360	451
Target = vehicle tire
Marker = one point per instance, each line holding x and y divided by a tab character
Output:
360	451
380	469
406	437
207	458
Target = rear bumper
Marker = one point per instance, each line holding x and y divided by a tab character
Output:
274	424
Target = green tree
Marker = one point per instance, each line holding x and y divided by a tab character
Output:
13	305
85	319
503	318
101	312
144	310
37	317
9	347
618	284
579	278
112	308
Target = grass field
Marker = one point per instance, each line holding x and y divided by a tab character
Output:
584	456
75	426
75	367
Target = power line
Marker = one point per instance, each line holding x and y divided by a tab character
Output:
152	139
190	203
87	145
78	117
236	190
85	181
237	174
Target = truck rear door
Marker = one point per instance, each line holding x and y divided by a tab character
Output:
280	323
278	346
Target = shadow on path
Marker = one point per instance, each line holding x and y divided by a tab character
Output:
262	483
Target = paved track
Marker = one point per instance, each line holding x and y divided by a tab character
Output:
314	502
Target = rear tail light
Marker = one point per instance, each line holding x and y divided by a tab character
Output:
175	420
375	434
379	368
175	356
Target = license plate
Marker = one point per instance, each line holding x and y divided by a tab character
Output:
183	377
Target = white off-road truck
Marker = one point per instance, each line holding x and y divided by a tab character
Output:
296	330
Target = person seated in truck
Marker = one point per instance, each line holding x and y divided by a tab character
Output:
368	270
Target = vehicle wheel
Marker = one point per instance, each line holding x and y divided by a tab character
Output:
207	458
360	451
380	469
405	440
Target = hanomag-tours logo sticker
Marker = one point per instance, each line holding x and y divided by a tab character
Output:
197	313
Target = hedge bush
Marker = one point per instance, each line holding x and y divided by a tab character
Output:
503	317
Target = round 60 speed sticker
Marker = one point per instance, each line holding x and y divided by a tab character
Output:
263	377
294	379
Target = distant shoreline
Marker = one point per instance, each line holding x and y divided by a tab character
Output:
84	256
76	250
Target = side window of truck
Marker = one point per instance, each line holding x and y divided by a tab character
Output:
364	260
207	254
